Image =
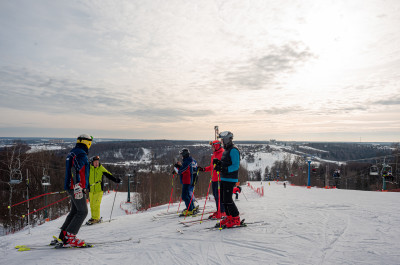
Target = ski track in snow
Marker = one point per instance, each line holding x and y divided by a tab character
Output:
301	226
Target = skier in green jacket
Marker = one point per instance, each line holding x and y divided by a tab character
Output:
97	171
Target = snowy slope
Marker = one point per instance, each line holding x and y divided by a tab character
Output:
303	226
263	160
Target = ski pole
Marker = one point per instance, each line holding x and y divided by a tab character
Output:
116	190
49	193
219	200
244	195
172	189
179	205
206	199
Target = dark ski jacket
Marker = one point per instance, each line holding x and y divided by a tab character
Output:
188	170
230	162
77	167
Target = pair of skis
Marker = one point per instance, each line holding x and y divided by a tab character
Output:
174	215
60	246
242	224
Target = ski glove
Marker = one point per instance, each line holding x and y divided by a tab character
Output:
78	192
200	168
217	165
118	180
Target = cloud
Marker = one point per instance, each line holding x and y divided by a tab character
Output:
263	71
390	101
31	91
281	110
26	90
155	114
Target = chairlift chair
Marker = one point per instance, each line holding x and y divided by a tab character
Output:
313	169
374	171
336	174
46	180
387	171
16	177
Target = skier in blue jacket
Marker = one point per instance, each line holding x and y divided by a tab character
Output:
76	183
228	167
187	171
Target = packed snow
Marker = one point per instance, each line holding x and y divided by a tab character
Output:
301	226
263	160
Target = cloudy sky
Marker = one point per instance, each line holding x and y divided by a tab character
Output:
289	70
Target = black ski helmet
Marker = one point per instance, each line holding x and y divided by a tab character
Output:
226	137
184	152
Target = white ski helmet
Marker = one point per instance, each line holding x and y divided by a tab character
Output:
85	139
226	137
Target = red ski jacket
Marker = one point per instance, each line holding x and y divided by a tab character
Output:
236	189
217	154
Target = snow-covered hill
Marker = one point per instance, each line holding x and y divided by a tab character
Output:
302	226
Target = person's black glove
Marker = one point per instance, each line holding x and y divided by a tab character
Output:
118	180
216	161
200	168
177	165
217	164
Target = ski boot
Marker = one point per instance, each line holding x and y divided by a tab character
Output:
89	222
233	221
224	221
94	221
70	240
187	213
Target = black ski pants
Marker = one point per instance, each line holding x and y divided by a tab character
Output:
77	215
215	193
226	196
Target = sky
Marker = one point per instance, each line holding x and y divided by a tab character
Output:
285	70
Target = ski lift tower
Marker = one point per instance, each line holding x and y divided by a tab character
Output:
129	189
309	174
129	184
45	184
15	178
